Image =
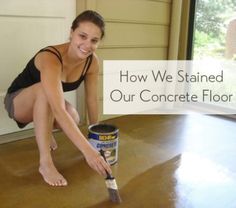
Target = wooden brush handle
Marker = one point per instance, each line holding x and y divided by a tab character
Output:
109	176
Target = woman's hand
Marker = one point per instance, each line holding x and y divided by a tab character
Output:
96	162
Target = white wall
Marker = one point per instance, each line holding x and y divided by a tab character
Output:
27	26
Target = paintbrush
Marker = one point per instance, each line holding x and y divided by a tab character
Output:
111	185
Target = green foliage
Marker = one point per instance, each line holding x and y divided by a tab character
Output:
207	17
210	26
201	38
211	15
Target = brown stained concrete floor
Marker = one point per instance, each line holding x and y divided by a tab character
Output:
164	162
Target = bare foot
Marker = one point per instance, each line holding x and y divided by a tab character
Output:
53	144
52	176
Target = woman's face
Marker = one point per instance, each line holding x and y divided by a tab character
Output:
85	39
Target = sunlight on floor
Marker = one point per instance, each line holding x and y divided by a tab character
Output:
203	183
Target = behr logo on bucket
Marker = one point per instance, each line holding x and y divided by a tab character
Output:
106	137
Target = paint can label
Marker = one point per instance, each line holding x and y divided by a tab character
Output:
105	137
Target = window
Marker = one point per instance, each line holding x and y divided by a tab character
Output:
212	37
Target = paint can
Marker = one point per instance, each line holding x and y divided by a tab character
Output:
105	137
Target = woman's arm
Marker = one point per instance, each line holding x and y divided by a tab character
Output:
91	91
50	71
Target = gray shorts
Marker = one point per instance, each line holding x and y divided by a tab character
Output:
8	102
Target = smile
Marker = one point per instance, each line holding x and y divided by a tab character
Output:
84	51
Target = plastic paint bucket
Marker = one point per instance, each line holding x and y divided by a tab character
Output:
105	137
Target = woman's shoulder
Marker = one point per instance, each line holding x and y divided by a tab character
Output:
47	59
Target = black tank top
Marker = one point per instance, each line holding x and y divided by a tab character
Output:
31	75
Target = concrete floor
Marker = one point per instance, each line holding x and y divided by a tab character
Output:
164	162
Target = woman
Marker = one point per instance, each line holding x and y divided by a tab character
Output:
36	95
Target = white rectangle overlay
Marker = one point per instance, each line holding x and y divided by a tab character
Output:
169	87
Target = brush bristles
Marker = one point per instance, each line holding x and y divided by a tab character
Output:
113	190
114	195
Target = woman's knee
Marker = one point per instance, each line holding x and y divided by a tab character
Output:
73	112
